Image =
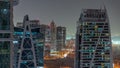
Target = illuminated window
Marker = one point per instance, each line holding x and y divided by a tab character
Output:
5	11
15	42
107	34
100	29
96	26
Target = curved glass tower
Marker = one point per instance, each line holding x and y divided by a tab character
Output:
93	40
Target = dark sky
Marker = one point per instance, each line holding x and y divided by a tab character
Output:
66	12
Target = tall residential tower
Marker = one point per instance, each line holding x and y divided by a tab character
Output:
6	30
53	36
60	37
93	40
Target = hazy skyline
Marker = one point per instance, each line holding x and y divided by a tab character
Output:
66	12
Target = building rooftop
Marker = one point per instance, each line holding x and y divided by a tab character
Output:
93	15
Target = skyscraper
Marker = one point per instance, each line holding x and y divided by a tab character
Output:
53	36
29	45
93	40
60	37
6	29
47	40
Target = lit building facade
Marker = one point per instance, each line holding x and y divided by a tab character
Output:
60	37
6	29
93	40
29	46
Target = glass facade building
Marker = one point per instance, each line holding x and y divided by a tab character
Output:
4	15
28	46
6	29
93	40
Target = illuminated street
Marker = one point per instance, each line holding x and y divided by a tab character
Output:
117	65
64	59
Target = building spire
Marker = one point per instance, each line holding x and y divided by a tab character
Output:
52	21
26	18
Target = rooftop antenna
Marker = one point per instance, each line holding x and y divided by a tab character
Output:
104	7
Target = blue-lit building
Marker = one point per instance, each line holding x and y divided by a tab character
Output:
28	46
6	29
93	40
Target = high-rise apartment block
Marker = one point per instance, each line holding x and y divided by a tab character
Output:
60	37
93	40
6	29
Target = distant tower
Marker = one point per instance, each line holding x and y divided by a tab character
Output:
60	37
93	40
6	29
53	36
29	45
47	41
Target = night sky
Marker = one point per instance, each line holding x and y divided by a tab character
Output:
66	12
